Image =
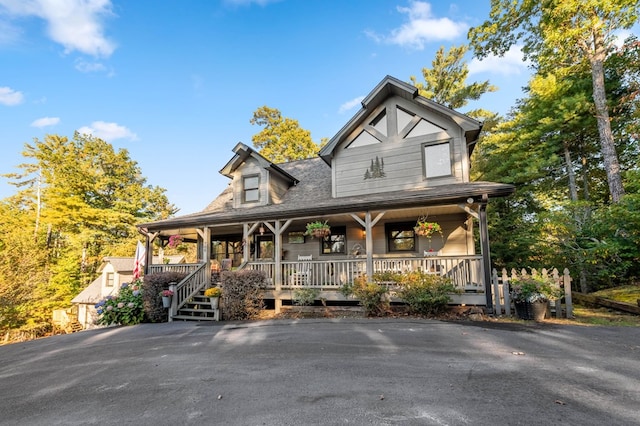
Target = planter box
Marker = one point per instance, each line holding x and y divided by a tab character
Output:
532	310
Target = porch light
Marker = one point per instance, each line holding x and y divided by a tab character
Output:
261	230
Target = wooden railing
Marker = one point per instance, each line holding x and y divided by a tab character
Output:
464	271
185	268
187	288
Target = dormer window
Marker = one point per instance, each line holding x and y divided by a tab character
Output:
250	189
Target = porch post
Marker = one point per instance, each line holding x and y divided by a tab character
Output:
277	257
206	255
369	244
486	255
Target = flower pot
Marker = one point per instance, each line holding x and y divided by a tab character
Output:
321	233
531	310
215	302
166	301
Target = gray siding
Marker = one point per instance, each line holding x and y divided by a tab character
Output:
403	157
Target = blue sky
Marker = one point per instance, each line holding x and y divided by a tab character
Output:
176	82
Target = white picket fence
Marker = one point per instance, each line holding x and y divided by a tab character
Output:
502	301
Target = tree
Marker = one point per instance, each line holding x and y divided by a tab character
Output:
569	34
445	82
281	139
88	199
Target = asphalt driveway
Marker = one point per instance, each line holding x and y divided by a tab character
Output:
329	372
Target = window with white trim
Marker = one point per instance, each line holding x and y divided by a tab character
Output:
250	189
437	159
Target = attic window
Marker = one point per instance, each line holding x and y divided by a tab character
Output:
250	189
437	159
109	279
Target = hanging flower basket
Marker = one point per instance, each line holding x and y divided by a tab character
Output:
318	229
427	229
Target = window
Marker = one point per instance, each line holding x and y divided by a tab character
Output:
110	279
336	243
437	160
251	189
400	236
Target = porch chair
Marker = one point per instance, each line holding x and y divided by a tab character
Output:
302	276
227	264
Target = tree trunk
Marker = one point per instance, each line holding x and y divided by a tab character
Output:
607	145
573	187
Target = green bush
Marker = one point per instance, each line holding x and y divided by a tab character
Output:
371	296
152	286
242	293
123	309
305	296
425	294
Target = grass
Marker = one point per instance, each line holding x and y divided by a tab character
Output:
627	294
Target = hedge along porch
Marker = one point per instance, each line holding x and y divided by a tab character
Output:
400	158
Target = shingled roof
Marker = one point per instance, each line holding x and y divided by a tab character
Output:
312	196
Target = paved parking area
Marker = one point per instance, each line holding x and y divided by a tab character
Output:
326	371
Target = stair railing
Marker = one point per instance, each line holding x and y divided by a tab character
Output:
187	288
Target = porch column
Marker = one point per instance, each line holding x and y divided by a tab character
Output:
204	244
486	255
278	229
368	243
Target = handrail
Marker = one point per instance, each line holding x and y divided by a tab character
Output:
187	288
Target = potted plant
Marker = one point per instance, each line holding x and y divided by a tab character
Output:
213	293
166	298
427	229
531	295
318	229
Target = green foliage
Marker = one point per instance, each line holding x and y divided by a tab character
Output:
78	200
282	139
305	296
153	285
445	82
313	227
124	309
426	294
242	293
371	296
533	288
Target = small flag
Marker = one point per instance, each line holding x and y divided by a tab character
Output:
140	260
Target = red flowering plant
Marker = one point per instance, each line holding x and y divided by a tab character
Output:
175	241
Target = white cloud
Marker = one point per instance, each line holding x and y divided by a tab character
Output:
84	66
10	97
75	24
510	63
45	121
108	131
421	28
349	105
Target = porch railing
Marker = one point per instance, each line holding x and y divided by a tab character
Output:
185	268
464	271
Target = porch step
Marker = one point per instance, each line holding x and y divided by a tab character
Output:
198	308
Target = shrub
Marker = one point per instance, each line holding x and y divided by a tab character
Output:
123	309
305	296
425	294
242	293
370	296
153	285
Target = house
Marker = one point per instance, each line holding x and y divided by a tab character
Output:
401	157
114	271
